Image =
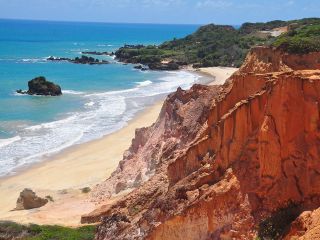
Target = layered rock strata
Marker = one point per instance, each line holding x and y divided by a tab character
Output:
221	169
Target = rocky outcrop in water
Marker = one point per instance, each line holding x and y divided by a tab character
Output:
230	169
128	53
140	67
79	60
29	200
98	53
40	86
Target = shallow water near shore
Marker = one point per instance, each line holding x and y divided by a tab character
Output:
96	100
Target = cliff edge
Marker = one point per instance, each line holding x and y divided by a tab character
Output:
237	161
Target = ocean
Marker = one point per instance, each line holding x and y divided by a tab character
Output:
97	99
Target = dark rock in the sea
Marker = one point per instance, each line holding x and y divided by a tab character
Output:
171	66
40	86
97	53
29	200
140	67
88	60
52	58
80	60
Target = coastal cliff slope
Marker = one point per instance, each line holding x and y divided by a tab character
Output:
237	161
180	121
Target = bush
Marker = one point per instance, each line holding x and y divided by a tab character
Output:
11	230
277	224
86	190
301	40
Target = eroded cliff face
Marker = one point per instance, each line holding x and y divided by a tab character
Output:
253	149
263	60
180	122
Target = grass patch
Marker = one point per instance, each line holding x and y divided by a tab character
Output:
85	190
11	230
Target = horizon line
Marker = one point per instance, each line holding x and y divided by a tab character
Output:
79	21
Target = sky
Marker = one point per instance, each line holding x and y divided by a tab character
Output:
160	11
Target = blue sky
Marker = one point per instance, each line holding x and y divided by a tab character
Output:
160	11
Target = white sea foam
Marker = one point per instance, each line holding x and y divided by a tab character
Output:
8	141
101	94
78	44
144	83
102	113
72	92
19	94
33	60
89	104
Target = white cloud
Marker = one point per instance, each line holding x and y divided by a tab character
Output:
214	4
136	3
290	3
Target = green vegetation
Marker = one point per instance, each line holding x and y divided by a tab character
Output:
10	230
85	190
210	45
248	28
300	40
50	198
278	223
220	45
213	45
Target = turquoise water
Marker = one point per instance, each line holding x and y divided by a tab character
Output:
96	100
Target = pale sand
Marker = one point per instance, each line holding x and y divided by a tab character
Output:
77	167
80	166
221	74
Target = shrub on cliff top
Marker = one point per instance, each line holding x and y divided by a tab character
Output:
301	40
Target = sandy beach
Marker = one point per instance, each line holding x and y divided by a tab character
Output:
64	175
220	73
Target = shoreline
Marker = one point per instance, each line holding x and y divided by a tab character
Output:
47	158
62	175
220	74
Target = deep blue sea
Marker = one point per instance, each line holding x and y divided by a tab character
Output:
96	100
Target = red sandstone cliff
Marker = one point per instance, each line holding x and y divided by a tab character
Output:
181	120
234	156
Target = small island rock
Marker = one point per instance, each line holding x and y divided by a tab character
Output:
80	60
40	86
